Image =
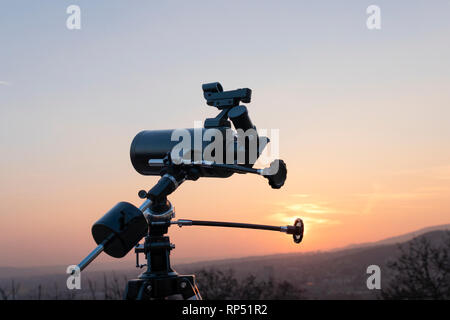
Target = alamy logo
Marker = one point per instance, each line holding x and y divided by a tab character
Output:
374	20
73	21
374	280
224	146
74	278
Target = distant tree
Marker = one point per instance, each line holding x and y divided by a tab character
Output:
421	272
13	292
113	287
216	284
3	294
222	285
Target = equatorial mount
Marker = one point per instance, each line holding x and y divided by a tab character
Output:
122	227
119	230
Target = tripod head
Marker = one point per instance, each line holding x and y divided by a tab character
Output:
156	153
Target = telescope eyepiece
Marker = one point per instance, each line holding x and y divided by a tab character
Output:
239	116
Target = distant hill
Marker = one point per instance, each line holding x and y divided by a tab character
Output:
325	275
398	239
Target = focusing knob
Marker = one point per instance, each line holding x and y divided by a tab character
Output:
276	179
142	194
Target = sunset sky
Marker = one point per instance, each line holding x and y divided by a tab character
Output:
364	119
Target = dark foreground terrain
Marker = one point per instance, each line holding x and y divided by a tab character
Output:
338	274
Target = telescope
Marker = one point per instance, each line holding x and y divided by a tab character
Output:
215	150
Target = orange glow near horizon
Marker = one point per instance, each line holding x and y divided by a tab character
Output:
56	230
363	119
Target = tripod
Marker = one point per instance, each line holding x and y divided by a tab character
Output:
159	281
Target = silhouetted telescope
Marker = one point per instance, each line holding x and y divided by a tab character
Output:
214	151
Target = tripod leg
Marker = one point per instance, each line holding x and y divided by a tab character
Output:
162	288
188	288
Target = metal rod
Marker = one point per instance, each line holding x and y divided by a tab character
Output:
94	254
144	206
210	164
227	224
91	256
235	168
